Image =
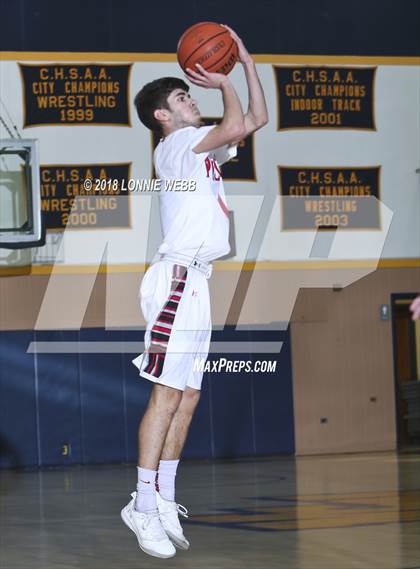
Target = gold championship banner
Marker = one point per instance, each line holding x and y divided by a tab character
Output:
329	198
68	202
325	97
75	94
240	168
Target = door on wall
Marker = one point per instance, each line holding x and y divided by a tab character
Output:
406	345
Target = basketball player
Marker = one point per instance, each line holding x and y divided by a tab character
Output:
174	291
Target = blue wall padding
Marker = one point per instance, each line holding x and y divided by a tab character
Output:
79	408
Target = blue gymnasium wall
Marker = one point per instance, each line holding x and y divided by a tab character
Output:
93	402
360	27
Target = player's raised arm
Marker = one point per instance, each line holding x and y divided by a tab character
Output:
257	115
232	126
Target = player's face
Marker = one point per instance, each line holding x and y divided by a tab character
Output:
184	109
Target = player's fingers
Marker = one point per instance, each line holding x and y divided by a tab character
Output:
196	76
197	81
190	78
193	72
227	27
232	32
202	70
200	76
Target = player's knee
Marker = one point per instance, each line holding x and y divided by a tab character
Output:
167	399
190	398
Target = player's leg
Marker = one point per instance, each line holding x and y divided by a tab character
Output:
156	423
199	319
175	441
153	429
180	424
171	453
167	308
141	514
196	322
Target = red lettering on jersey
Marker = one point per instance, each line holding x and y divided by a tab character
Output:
208	166
216	169
213	169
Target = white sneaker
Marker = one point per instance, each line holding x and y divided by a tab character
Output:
148	529
168	512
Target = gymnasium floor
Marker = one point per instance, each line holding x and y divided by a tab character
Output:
330	512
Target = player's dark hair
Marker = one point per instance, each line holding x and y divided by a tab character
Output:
154	96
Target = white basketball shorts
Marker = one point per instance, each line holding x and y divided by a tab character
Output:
176	306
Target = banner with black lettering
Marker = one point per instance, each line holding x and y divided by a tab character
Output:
329	198
56	94
325	97
88	196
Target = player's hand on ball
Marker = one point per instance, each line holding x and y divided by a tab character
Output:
243	54
203	78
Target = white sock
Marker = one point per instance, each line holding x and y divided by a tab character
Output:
146	492
165	483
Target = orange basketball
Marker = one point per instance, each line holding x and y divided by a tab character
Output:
208	44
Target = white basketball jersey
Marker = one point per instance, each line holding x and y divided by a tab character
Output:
194	223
